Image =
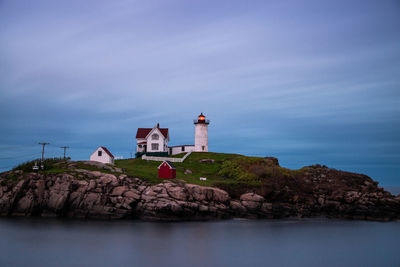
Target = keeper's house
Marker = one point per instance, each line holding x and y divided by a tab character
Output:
152	141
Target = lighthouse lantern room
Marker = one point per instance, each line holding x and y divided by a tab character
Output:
201	134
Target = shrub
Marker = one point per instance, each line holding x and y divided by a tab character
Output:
48	163
234	170
230	169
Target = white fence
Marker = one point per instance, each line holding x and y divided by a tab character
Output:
144	157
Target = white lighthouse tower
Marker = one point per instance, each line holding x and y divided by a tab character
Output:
201	134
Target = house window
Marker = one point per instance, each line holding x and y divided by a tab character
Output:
155	136
154	146
99	153
183	148
140	146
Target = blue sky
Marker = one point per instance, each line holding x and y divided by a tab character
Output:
305	81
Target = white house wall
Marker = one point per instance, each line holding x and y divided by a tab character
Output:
104	158
178	149
162	142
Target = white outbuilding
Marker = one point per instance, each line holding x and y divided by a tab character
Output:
102	155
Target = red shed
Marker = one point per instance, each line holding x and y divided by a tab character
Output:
166	170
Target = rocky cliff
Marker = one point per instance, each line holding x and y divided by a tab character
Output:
94	194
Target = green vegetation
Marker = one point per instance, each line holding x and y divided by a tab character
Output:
148	169
218	168
180	155
49	163
59	165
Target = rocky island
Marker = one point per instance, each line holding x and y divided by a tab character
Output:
239	187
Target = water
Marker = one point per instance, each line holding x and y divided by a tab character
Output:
316	242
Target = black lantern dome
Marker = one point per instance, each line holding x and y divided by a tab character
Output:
201	119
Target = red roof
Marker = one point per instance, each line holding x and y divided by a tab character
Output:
106	150
171	166
143	132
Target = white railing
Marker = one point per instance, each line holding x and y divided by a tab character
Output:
144	157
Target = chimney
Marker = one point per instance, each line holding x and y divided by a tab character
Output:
158	125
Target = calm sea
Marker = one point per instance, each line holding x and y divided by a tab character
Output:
310	242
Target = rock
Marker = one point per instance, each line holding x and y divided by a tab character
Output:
266	207
201	193
251	205
321	200
108	179
25	204
119	190
238	207
90	200
273	160
251	201
132	193
203	208
40	189
351	196
176	192
187	171
92	185
313	191
251	197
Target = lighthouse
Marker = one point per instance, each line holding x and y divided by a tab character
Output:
201	134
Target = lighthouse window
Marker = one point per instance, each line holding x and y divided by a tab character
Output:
202	147
155	136
154	146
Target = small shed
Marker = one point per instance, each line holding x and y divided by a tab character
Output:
101	154
166	170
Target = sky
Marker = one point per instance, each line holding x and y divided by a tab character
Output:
304	81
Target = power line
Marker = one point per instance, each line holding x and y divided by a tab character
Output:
43	144
19	156
65	148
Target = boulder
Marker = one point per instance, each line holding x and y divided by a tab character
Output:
132	193
237	207
205	193
252	197
92	185
251	201
119	190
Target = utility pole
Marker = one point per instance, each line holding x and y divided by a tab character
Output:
65	148
43	144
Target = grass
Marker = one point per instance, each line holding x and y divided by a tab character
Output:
229	170
180	155
55	165
49	163
148	169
